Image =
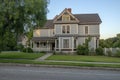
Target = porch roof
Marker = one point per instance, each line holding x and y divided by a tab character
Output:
43	38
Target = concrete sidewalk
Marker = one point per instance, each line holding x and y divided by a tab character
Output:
44	57
81	62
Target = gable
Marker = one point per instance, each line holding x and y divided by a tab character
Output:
81	19
66	17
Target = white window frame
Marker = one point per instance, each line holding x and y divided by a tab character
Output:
84	29
66	29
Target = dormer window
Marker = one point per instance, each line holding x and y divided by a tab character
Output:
65	18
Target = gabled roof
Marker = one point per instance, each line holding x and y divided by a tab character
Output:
48	24
83	19
88	18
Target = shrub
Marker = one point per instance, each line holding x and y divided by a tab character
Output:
117	54
82	50
20	47
28	50
99	51
109	53
92	52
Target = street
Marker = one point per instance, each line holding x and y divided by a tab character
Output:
44	73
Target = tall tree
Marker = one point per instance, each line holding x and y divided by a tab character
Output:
17	16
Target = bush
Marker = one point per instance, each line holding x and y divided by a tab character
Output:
28	50
117	54
109	53
20	47
99	51
82	50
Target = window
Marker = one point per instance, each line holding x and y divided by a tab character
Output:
66	29
37	44
66	43
86	29
63	29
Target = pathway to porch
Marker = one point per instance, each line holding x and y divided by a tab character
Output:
44	57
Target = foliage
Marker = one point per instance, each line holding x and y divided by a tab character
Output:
82	50
109	53
27	50
117	54
110	42
20	47
18	17
99	51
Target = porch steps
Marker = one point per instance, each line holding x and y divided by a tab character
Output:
44	57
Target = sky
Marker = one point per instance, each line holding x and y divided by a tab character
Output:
108	10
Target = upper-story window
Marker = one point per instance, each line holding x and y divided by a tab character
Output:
65	18
66	29
86	29
63	29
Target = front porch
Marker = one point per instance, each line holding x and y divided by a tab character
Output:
43	44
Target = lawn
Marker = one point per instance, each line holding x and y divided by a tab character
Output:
21	55
60	63
84	58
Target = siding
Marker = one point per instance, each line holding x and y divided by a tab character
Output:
92	43
58	29
43	33
74	28
80	40
92	29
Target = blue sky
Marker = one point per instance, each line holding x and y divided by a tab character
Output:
108	10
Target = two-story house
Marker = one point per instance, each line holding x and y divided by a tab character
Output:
66	31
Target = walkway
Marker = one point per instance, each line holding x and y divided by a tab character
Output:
44	57
81	62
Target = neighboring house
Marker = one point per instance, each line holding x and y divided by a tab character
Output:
66	31
22	40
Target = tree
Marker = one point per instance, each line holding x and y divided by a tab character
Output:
20	15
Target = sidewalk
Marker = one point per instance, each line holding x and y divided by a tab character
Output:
44	57
80	62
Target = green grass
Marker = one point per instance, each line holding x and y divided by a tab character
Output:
20	55
84	58
60	63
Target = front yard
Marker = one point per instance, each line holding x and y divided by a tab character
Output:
29	58
84	58
21	55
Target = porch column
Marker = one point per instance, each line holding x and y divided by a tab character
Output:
55	45
72	44
59	44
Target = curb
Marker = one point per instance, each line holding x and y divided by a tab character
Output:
59	66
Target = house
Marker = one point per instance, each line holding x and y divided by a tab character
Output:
22	39
66	31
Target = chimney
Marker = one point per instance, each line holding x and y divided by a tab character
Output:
69	9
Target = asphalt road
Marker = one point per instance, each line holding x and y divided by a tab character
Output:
43	73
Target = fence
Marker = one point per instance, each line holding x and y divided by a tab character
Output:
113	51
